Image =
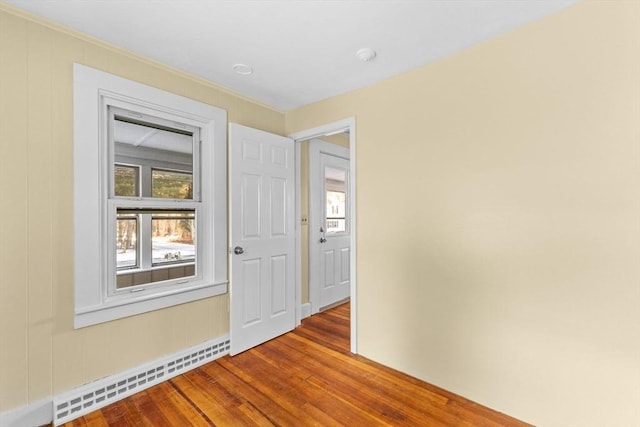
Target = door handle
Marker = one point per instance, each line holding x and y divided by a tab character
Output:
322	235
322	240
238	250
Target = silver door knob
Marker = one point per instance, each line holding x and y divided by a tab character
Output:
322	240
238	250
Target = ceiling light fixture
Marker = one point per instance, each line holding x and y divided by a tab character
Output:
242	69
366	54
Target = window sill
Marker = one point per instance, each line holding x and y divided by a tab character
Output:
112	310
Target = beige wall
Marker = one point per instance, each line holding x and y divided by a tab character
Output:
40	352
498	218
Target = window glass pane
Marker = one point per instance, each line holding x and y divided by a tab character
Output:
153	147
171	184
173	238
127	241
154	245
336	200
126	181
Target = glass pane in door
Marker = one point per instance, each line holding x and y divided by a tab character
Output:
335	184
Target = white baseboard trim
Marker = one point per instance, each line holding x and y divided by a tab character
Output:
97	394
305	310
34	414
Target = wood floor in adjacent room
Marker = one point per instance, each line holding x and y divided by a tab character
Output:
306	377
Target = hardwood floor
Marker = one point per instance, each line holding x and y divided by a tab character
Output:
304	378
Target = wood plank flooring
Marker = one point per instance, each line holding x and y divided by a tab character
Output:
307	377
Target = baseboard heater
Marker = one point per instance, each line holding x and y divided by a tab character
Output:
97	394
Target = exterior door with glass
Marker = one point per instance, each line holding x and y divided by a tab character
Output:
330	228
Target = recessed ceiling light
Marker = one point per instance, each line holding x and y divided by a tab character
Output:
242	69
366	54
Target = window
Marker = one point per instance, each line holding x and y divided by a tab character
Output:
150	221
155	243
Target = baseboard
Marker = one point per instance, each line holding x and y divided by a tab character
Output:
305	310
34	414
97	394
335	304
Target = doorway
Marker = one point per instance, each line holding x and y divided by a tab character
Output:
341	135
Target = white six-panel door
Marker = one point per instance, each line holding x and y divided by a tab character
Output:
262	238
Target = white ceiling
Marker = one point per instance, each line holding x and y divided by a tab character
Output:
301	50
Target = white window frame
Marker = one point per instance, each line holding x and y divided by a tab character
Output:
94	224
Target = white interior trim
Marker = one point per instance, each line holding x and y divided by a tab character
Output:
298	245
331	128
305	310
33	414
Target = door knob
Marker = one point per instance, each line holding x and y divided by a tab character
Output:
322	240
238	250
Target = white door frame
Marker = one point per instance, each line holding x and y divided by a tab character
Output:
340	126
